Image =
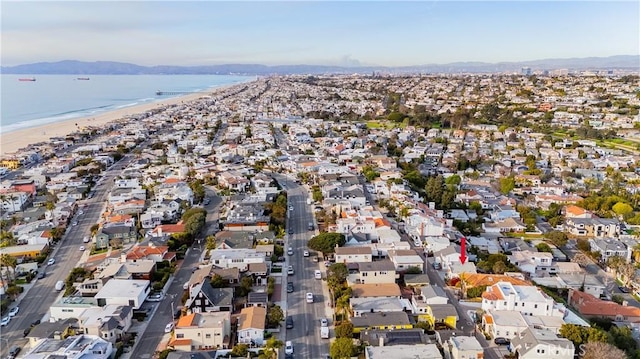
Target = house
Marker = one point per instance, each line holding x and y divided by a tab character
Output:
49	329
139	269
542	344
378	304
115	236
528	300
402	351
609	248
151	252
353	254
110	322
235	258
234	240
388	337
532	262
381	320
403	260
504	323
204	298
131	292
257	299
373	272
504	225
593	227
462	347
591	307
72	347
202	331
441	315
251	325
375	290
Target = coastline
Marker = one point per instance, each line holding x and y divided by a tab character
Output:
15	140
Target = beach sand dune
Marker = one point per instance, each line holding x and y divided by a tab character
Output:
15	140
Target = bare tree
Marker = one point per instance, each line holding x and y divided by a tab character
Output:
599	350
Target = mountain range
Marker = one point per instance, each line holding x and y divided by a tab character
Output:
73	67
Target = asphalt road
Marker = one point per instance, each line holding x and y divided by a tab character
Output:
150	339
42	294
305	335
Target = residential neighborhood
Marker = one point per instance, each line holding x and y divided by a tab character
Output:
467	216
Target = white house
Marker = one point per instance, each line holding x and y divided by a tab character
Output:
131	292
201	331
353	254
235	258
542	344
251	325
463	347
529	300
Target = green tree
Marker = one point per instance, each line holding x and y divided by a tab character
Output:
344	330
557	238
274	315
9	262
271	348
622	209
453	180
218	282
543	247
210	242
507	184
341	348
326	242
240	350
246	286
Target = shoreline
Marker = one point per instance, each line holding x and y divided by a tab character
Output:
14	140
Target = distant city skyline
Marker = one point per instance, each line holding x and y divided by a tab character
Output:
371	33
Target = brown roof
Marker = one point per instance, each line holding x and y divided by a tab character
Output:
589	305
375	290
479	279
252	318
353	250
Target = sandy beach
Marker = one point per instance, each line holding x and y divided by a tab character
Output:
14	140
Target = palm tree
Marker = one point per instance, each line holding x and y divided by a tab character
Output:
9	262
271	348
50	206
342	305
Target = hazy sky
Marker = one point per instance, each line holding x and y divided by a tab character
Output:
388	33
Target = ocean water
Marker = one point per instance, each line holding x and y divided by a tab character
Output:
54	98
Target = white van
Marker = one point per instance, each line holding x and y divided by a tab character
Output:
59	285
317	274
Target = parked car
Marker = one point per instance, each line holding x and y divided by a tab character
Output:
51	261
82	248
26	332
35	323
289	322
13	311
305	253
14	351
289	287
324	322
290	251
502	341
169	327
41	275
624	289
290	270
155	297
309	297
5	321
290	230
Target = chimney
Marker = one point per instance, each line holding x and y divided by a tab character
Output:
123	258
381	341
421	230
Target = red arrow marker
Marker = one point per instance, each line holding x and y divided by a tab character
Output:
463	252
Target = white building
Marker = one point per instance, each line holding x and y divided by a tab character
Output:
74	347
461	347
529	300
131	292
235	258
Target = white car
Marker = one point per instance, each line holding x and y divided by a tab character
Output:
324	322
13	311
290	251
5	321
169	328
288	348
305	253
51	261
290	270
155	297
309	297
291	208
82	248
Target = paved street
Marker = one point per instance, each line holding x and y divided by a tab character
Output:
35	305
306	316
154	333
